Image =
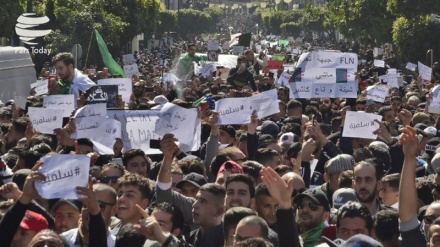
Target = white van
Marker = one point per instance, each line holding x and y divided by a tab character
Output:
17	72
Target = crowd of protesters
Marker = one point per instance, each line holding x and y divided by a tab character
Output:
288	180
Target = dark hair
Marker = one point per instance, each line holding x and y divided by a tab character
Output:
265	155
378	166
382	154
113	165
217	162
138	181
261	190
38	139
293	150
293	104
20	124
244	179
176	215
393	180
191	165
65	57
424	191
233	216
283	169
361	154
215	189
252	168
345	179
384	109
352	210
85	141
254	242
29	157
295	128
386	224
266	142
130	154
128	236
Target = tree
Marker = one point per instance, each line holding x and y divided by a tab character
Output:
415	36
413	8
10	10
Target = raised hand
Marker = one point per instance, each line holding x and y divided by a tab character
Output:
29	190
278	189
168	145
89	198
10	191
409	142
150	227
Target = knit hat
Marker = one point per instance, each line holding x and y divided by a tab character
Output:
339	163
229	129
420	117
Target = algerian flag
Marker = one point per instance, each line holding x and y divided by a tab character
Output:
111	64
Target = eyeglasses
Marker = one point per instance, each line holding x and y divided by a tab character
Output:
106	179
428	219
312	205
102	204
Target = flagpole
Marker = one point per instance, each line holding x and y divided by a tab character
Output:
88	49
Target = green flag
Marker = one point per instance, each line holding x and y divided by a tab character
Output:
111	64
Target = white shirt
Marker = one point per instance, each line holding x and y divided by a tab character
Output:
72	235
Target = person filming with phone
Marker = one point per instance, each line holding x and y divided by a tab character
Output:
240	76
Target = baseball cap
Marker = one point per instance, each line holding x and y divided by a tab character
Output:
342	196
33	221
269	127
430	148
359	240
193	178
317	195
77	205
288	137
231	166
430	131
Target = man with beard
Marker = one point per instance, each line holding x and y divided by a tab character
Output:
327	113
367	183
313	212
15	132
72	80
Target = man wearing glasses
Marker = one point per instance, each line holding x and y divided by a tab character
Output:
184	64
106	197
312	215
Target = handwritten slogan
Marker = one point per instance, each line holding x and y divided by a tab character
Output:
234	110
41	87
326	59
64	172
125	86
89	120
377	93
424	71
266	103
131	70
321	90
360	125
65	102
46	120
178	121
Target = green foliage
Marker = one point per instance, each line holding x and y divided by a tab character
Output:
168	22
272	20
10	10
413	8
192	22
415	36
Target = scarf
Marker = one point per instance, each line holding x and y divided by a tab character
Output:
312	237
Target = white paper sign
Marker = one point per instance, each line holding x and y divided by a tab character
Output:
20	101
110	129
131	70
379	63
328	75
46	120
327	59
213	45
346	90
265	103
128	59
170	78
390	79
178	121
283	80
41	87
125	86
233	110
89	120
377	51
323	90
360	125
207	70
424	71
64	172
300	90
377	93
237	50
411	66
62	101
